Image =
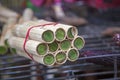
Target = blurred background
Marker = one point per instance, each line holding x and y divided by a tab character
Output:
98	21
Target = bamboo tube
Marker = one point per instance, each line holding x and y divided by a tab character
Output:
6	33
59	32
32	47
53	47
37	33
28	15
60	57
65	45
73	54
7	12
47	60
59	13
71	31
78	42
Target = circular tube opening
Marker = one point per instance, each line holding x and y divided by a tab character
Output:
53	46
49	59
73	55
42	49
65	45
79	43
48	36
60	58
60	34
72	32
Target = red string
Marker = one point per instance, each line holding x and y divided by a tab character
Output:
27	37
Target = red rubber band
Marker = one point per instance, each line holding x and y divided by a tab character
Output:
27	37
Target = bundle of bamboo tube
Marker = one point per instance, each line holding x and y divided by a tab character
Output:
6	33
7	13
12	20
45	42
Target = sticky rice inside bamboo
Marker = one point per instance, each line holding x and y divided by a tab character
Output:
60	57
48	36
53	46
42	49
73	54
78	42
49	59
60	34
72	32
65	45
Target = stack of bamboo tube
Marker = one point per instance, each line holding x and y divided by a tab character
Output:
6	33
7	13
11	20
45	42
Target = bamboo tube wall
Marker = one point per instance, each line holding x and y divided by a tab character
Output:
6	34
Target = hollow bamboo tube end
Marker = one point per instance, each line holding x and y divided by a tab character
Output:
60	34
65	45
73	54
48	36
78	42
60	57
72	32
53	47
3	49
42	49
49	59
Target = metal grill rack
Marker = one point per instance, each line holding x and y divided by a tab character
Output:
13	67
